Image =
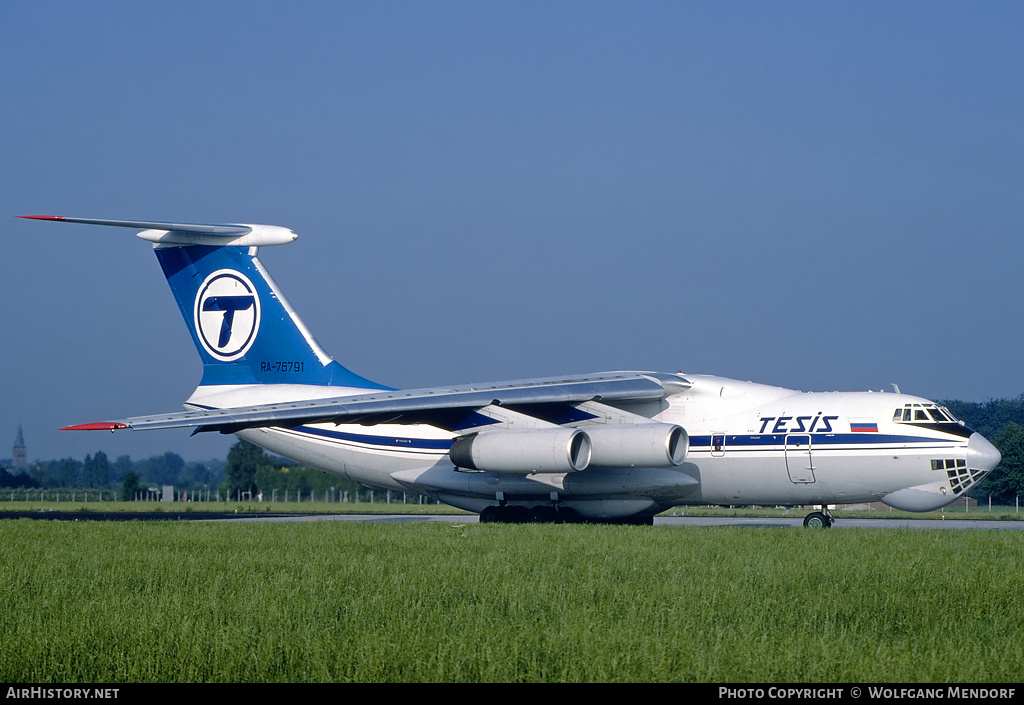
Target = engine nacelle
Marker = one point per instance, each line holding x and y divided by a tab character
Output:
654	445
523	452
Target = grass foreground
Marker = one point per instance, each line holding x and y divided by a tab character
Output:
120	602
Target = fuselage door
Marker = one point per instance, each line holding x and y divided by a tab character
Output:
798	457
717	445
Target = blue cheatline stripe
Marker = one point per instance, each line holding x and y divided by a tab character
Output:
875	439
393	442
696	442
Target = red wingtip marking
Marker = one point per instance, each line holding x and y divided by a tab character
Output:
102	426
42	217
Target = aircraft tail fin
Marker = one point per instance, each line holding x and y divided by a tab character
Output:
243	328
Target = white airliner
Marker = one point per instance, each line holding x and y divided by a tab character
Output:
610	446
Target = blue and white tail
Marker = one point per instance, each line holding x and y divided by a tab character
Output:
243	328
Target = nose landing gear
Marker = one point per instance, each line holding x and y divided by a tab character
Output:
818	520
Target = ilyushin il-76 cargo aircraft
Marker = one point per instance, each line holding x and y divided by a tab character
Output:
603	447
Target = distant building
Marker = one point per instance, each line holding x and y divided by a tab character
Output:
19	455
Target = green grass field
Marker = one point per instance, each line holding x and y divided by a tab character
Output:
195	602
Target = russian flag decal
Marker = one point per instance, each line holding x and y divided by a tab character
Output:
863	427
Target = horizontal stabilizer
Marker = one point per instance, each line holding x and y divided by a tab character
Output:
234	234
194	228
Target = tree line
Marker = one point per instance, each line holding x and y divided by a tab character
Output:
1002	422
99	472
248	470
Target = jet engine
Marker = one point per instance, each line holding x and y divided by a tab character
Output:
523	452
655	445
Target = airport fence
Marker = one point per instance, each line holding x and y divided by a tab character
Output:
159	494
80	495
62	494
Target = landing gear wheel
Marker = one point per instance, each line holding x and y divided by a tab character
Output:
504	515
543	515
567	515
817	520
516	515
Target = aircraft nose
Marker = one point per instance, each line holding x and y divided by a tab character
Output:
981	455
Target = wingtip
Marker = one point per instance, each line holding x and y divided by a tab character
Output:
42	217
101	426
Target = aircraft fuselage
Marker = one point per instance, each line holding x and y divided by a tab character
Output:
748	444
611	445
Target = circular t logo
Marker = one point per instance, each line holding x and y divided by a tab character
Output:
227	314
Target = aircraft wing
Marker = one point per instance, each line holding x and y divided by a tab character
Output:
443	406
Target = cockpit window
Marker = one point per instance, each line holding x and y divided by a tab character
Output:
916	413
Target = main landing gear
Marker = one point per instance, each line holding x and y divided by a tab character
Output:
541	514
818	520
544	514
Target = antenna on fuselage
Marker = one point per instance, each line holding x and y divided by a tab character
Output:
895	387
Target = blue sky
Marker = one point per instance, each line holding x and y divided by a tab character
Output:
823	196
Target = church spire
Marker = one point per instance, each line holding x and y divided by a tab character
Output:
18	454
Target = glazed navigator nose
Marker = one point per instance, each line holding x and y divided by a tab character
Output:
981	455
